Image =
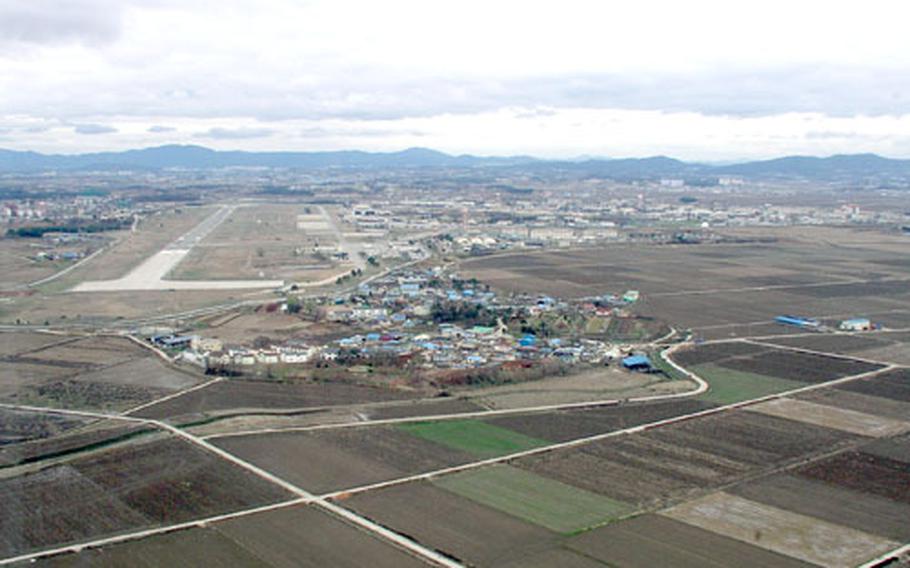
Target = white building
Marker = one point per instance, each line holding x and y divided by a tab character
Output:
856	324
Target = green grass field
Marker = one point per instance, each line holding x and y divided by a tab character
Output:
473	436
539	500
729	386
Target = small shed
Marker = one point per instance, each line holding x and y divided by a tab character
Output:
637	363
856	324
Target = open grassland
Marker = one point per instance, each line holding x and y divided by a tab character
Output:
20	267
551	504
473	436
105	308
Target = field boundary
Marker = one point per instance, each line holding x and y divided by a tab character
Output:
701	387
598	437
325	501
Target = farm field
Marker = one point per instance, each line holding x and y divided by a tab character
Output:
832	417
421	408
866	472
12	343
84	436
739	371
586	386
854	509
831	343
820	478
728	386
88	373
17	426
890	347
869	404
561	426
796	366
806	538
551	504
681	460
729	287
473	436
123	488
655	540
333	460
292	536
461	528
238	395
894	448
892	385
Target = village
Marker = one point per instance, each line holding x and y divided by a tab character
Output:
433	319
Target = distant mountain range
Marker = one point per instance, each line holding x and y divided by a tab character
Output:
840	167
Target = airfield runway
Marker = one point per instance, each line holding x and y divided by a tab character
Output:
150	275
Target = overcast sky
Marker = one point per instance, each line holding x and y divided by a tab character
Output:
703	80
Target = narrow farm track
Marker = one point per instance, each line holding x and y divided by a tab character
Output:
607	435
304	497
328	502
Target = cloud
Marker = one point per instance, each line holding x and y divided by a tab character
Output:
235	133
60	21
172	63
93	129
357	132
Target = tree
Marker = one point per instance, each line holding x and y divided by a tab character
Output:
293	304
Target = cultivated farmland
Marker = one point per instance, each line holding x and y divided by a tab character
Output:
551	504
332	460
457	526
93	373
138	485
293	536
237	395
473	436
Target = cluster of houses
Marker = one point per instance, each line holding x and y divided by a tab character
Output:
425	318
